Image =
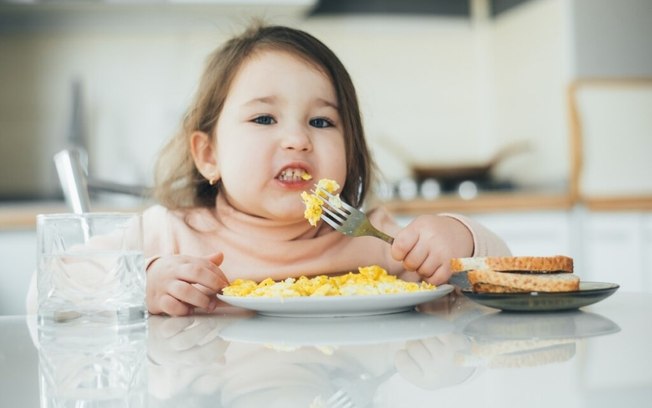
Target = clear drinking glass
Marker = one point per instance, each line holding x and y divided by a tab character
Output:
90	267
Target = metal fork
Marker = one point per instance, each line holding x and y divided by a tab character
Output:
347	219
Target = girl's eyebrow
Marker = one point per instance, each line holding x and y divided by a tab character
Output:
326	102
270	100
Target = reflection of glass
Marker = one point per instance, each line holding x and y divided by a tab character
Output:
523	340
92	367
90	267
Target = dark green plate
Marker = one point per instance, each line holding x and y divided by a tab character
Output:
589	293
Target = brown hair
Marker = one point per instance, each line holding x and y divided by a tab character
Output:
179	184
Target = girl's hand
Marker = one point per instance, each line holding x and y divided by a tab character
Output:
428	243
177	284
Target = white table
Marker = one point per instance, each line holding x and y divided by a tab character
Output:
453	353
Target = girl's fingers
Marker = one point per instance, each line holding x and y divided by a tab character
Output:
204	273
404	242
173	306
415	257
216	258
441	275
187	293
429	266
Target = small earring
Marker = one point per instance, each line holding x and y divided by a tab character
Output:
212	181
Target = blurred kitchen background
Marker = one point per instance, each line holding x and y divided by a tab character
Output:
533	116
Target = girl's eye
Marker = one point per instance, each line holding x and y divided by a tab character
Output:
264	120
320	123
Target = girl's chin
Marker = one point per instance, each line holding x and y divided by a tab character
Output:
283	214
291	215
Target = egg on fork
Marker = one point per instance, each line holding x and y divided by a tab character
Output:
314	202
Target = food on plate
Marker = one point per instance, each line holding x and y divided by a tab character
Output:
369	280
518	274
557	263
314	201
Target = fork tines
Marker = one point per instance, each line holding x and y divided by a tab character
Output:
334	214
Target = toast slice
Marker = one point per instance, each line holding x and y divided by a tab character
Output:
538	264
484	280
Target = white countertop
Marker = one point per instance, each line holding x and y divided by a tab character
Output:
451	353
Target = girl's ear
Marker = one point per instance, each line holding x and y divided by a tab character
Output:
203	153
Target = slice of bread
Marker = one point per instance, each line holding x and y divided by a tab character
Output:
484	280
539	264
491	288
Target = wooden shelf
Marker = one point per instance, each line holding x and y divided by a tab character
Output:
24	216
16	216
487	202
632	203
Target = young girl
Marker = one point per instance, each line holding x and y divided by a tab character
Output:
275	104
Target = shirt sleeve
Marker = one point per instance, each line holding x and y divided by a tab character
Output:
485	241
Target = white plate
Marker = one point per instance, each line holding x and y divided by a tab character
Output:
306	331
330	306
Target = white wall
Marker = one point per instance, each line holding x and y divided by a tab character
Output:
531	69
419	86
446	90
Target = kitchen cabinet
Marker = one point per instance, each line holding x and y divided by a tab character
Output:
616	247
533	233
606	246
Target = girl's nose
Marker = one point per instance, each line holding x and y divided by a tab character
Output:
296	138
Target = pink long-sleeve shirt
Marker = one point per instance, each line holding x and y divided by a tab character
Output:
256	248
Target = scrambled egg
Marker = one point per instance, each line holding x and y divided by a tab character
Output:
315	201
369	280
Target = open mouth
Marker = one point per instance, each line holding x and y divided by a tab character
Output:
291	174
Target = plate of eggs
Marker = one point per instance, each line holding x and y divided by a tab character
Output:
370	291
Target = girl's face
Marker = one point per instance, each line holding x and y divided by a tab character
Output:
279	121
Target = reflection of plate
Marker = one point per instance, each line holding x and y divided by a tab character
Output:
523	340
512	326
329	306
304	331
589	293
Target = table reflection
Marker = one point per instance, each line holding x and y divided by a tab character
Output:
271	361
239	359
504	340
83	366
